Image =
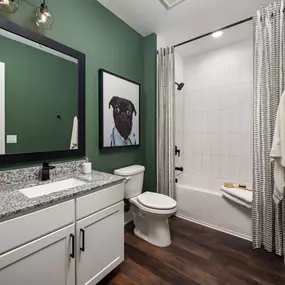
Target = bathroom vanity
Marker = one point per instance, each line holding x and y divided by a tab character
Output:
74	236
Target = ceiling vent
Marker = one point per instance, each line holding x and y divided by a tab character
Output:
169	4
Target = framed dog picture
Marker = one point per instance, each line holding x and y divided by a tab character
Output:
119	100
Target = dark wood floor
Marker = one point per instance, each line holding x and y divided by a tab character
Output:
197	255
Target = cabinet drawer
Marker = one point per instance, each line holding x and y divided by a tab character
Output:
21	230
92	203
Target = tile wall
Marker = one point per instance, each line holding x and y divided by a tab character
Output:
217	120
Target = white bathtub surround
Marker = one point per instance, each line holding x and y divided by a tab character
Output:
166	123
217	137
269	82
218	117
210	209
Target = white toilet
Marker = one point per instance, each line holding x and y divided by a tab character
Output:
150	210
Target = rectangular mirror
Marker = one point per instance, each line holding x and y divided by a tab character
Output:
42	97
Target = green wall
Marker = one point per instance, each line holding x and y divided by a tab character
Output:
149	105
34	95
111	44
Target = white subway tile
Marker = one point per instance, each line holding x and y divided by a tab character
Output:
224	167
245	170
234	145
224	144
245	145
224	98
215	166
234	71
214	101
214	123
205	143
235	120
198	145
235	169
215	140
205	122
224	121
198	164
206	165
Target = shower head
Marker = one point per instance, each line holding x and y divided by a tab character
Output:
180	86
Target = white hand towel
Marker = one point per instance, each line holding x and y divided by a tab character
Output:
278	152
74	135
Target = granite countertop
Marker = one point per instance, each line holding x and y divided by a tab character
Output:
14	203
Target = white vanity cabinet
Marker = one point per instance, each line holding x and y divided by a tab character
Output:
100	234
44	261
73	243
36	248
101	239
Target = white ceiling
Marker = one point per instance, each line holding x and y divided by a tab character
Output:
189	19
232	35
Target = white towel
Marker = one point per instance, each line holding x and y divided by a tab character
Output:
242	195
74	134
236	200
278	152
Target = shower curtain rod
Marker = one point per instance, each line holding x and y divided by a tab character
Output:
208	34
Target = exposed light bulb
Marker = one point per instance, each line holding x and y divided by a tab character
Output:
10	6
44	18
217	34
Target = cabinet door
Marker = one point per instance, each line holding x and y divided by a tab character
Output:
100	244
44	261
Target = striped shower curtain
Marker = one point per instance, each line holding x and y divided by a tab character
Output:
165	122
269	53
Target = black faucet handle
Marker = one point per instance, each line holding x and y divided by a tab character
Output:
46	165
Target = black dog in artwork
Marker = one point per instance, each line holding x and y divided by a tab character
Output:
123	111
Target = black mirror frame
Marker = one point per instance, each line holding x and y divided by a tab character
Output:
8	159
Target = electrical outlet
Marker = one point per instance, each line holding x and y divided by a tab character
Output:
11	138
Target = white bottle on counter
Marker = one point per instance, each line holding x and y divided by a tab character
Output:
86	166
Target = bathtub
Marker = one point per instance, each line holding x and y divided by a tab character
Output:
209	208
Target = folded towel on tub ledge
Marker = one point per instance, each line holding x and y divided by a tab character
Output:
238	196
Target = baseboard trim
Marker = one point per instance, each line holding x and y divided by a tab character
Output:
245	237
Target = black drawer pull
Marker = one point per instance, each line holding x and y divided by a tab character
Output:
72	245
82	233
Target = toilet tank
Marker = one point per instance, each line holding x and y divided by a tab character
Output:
134	182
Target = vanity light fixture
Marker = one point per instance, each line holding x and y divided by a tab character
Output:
217	34
44	18
9	6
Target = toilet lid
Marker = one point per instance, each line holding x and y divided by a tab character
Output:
156	201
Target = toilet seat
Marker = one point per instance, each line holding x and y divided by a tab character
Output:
156	201
143	208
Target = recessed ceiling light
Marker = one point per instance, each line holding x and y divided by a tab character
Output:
168	4
217	34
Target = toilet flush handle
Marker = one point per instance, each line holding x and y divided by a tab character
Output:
127	179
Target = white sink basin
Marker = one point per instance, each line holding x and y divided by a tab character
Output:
52	187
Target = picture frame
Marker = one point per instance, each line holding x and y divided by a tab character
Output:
119	111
